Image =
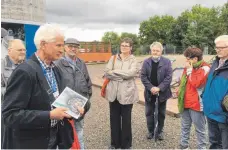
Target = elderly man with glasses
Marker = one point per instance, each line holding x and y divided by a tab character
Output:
16	55
75	76
214	94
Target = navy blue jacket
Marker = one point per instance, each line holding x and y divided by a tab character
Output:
164	76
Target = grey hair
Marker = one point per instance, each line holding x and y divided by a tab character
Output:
47	33
221	38
156	44
13	41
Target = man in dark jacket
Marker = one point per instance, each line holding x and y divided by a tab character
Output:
75	76
16	55
32	88
156	76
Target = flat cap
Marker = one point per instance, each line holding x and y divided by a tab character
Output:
72	41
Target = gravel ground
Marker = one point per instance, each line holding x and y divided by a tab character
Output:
97	128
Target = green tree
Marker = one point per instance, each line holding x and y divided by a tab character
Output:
203	27
223	19
114	39
156	29
198	26
179	30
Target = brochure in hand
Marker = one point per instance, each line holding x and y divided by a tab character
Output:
70	99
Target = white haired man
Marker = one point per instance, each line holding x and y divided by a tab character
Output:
31	89
156	76
215	92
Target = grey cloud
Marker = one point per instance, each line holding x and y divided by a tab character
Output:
86	13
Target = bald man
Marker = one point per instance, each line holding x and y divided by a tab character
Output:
16	55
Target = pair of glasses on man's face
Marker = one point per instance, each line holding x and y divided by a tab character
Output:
73	46
221	48
125	45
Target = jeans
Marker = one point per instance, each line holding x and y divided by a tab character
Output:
218	134
79	129
198	119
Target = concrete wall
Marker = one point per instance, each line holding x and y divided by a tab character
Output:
24	10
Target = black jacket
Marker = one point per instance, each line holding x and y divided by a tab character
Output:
26	108
77	78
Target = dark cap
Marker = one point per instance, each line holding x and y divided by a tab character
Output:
72	41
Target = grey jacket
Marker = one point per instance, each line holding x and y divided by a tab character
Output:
7	68
76	77
122	84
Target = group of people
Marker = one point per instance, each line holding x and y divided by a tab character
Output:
29	121
202	94
29	87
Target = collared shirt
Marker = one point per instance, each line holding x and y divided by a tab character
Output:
221	63
50	77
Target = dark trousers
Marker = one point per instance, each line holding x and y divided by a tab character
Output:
53	139
218	134
120	122
149	112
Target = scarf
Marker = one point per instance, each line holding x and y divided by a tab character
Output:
182	87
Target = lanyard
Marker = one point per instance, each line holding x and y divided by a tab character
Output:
50	79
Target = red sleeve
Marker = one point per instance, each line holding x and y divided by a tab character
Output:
198	77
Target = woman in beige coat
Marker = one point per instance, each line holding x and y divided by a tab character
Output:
121	93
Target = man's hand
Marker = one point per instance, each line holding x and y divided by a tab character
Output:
59	113
80	109
155	90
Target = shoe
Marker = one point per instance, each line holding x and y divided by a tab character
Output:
150	136
183	147
111	147
161	136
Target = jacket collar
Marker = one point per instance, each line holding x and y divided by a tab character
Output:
225	66
128	58
9	63
160	64
66	63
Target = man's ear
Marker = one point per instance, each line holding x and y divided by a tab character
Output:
9	50
42	44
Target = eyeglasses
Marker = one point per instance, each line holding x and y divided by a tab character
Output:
221	48
125	45
21	50
73	46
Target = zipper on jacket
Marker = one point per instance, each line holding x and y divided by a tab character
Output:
118	81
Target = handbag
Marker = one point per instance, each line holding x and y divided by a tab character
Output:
106	81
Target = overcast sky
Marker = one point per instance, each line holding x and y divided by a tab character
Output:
87	20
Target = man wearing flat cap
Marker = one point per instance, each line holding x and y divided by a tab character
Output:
76	76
